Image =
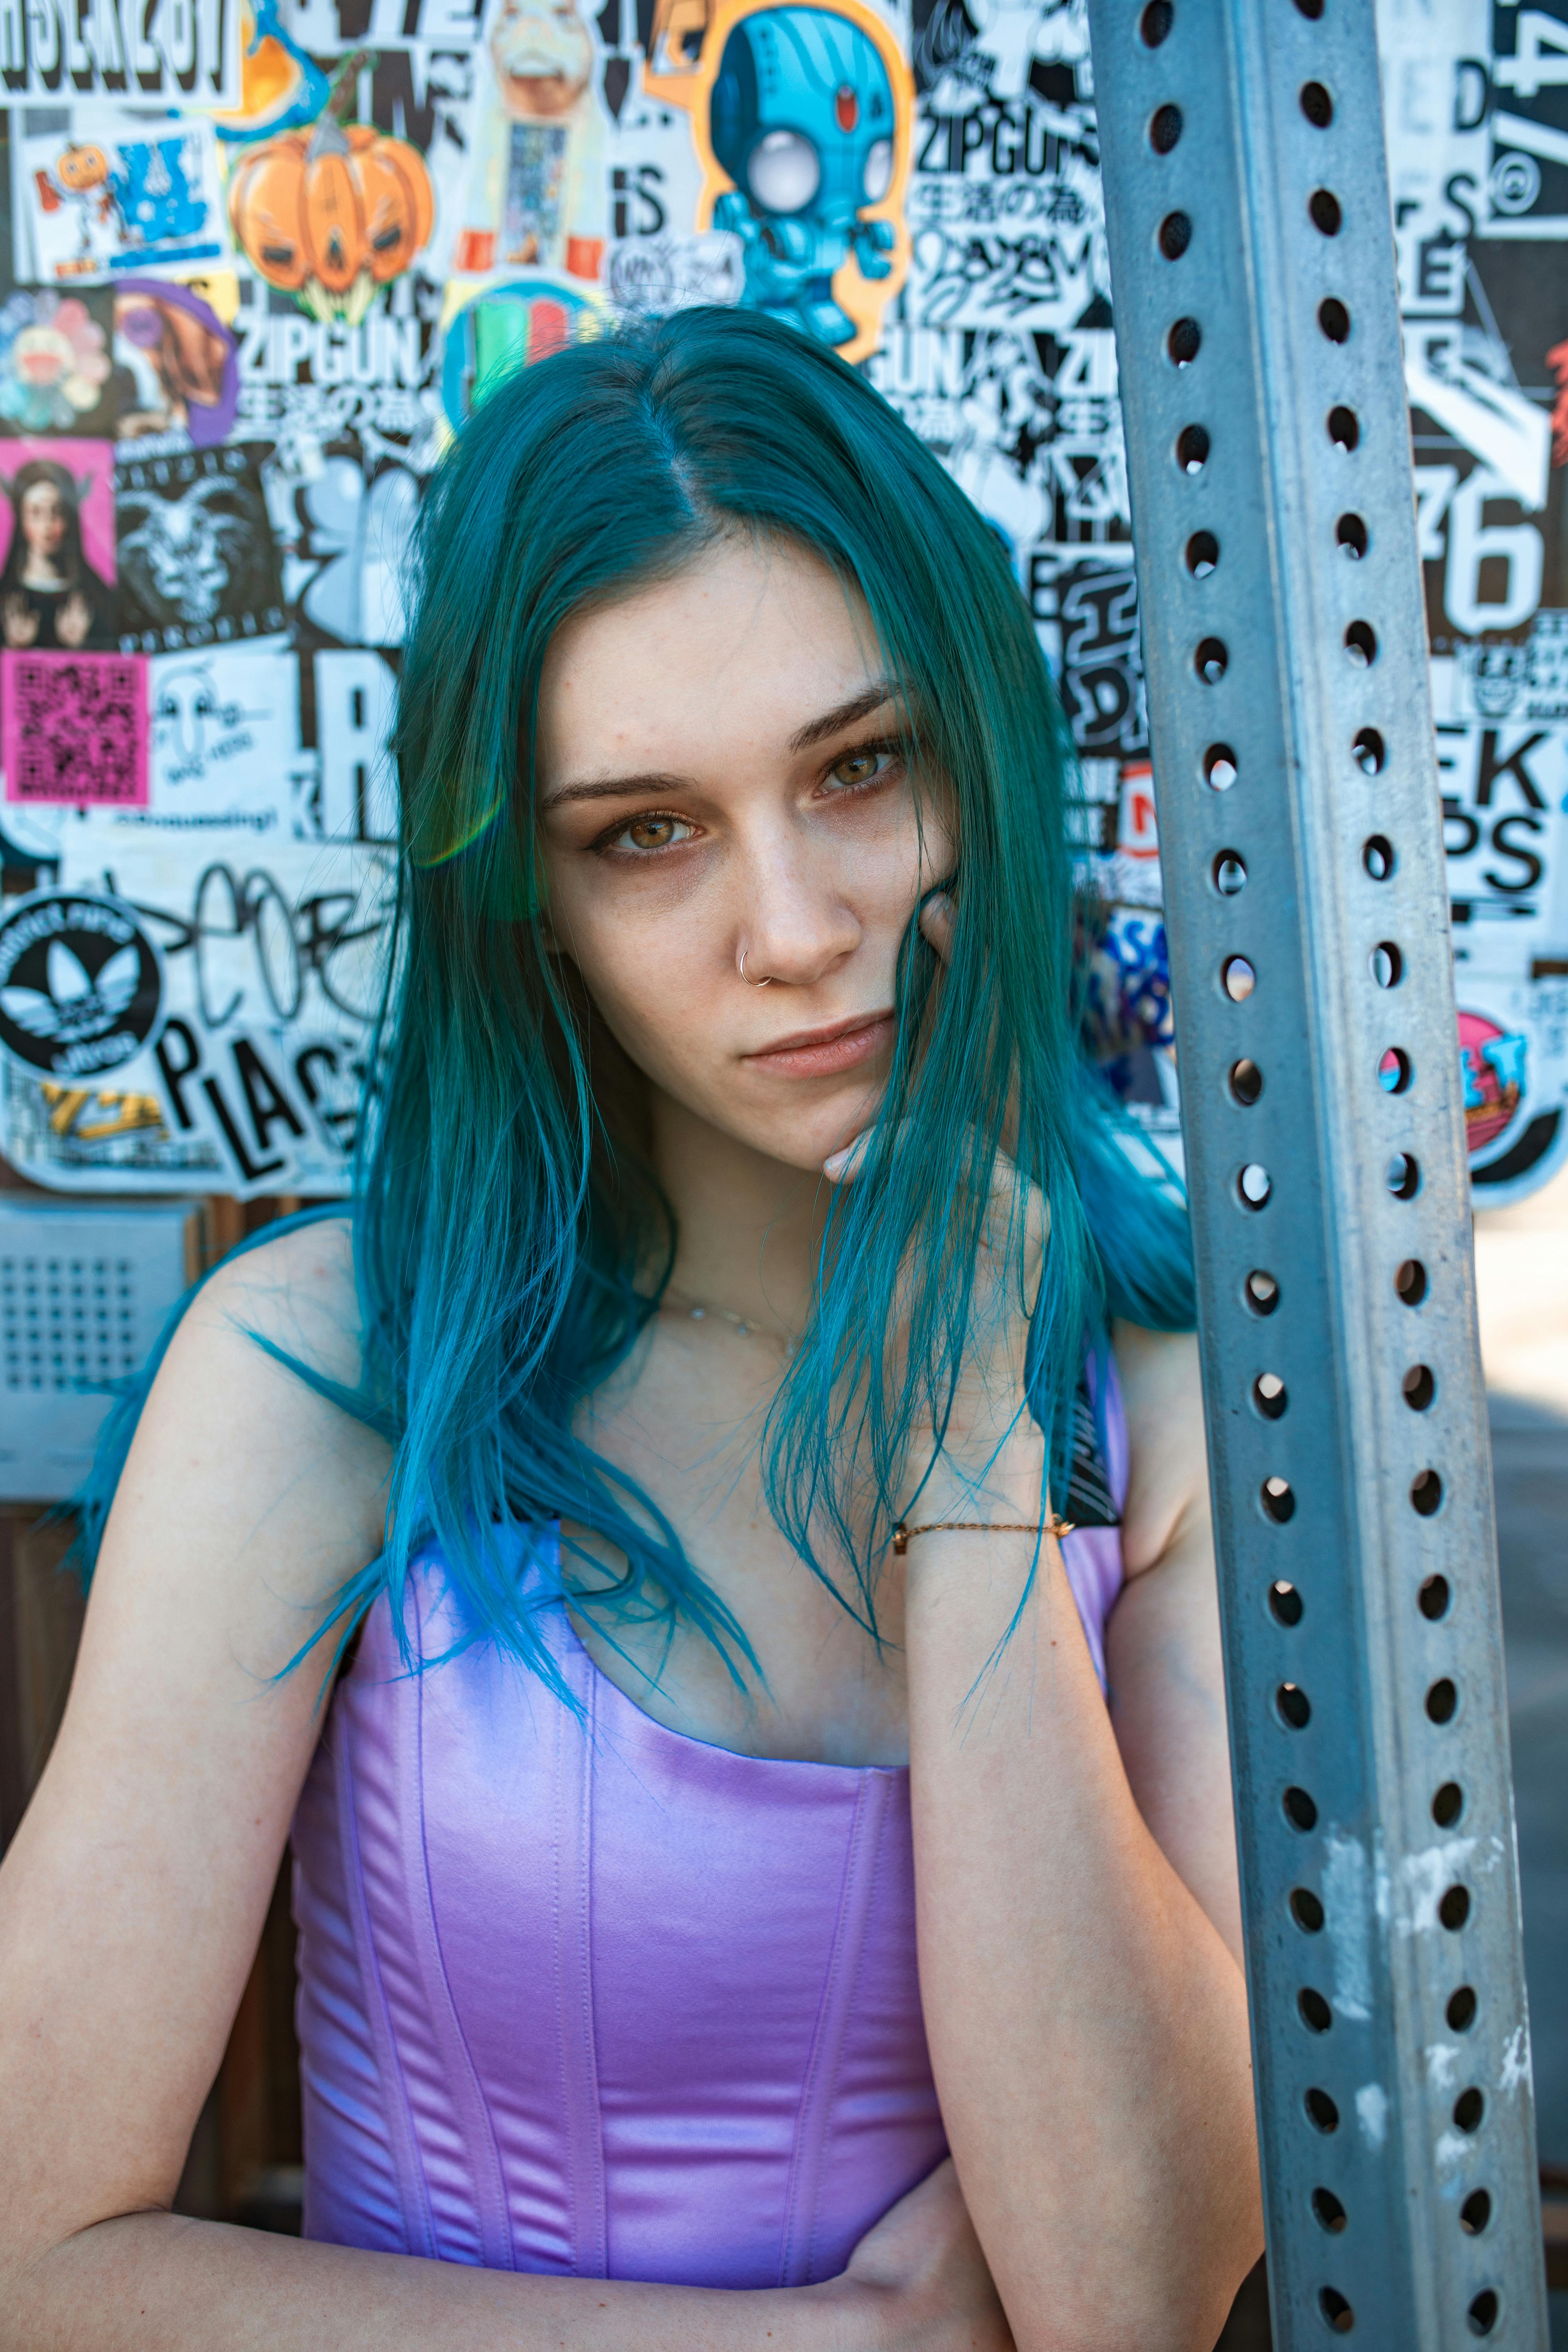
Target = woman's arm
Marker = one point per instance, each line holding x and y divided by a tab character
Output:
1088	2023
132	1896
1163	1659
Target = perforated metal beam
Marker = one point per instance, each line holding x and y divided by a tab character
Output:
1257	330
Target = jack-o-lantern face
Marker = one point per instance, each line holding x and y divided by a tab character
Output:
329	214
80	168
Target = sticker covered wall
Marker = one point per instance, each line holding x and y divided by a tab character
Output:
260	259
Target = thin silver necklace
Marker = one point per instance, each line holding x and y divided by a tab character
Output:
698	1311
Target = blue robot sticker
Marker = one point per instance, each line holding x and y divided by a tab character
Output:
802	117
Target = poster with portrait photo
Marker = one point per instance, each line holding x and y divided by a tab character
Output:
197	565
57	546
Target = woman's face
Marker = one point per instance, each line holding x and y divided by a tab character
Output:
43	519
720	777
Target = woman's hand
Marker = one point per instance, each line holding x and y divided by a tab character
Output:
18	621
924	2257
74	619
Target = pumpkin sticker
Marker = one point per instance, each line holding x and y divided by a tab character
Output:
332	213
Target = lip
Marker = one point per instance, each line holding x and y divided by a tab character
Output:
823	1053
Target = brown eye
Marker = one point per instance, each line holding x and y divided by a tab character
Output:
651	831
858	768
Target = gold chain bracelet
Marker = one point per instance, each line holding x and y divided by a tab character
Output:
1051	1527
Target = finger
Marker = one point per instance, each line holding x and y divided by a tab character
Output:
937	917
843	1167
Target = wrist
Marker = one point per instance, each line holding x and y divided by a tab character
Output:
993	1482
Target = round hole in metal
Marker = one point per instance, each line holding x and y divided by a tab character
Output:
1433	1598
1334	321
1386	964
1317	105
1322	2111
1368	751
1211	660
1219	767
1229	874
1442	1700
1192	448
1418	1387
1425	1492
1323	207
1455	1908
1254	1185
1394	1071
1327	2210
1350	536
1245	1083
1312	8
1361	644
1165	128
1299	1811
1278	1500
1482	2313
1285	1602
1155	25
1270	1395
1202	553
1262	1292
1306	1910
1237	979
1378	856
1475	2212
1184	341
1176	236
1336	2310
1461	2009
1313	2011
1402	1176
1294	1707
1448	1804
1344	427
1468	2109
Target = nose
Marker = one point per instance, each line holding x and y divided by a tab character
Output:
795	924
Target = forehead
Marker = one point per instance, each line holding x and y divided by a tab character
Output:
736	651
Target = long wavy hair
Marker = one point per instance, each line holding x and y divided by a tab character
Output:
511	1239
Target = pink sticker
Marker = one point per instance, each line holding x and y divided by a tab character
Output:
73	729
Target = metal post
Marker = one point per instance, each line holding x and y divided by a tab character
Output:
1258	330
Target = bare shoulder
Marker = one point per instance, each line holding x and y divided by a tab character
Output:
264	1488
296	1292
135	1888
1162	1391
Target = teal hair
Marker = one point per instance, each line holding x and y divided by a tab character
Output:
510	1236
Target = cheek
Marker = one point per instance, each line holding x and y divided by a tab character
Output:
649	961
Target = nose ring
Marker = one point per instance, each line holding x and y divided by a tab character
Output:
753	984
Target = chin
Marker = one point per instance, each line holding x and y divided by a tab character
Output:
804	1139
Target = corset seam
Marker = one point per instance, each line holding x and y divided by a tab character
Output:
872	1878
577	1746
812	2116
491	2211
402	2135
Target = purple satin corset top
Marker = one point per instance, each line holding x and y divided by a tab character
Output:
594	1999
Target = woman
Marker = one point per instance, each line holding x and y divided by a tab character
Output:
724	1311
51	596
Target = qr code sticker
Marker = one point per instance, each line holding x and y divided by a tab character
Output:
73	729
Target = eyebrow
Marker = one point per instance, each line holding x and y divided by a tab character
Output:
832	722
816	730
